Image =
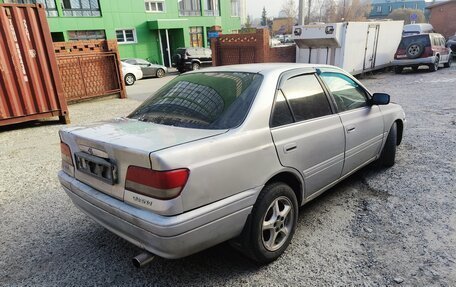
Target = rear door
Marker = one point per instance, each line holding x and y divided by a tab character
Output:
308	136
362	122
370	51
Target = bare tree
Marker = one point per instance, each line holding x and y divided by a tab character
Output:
290	9
357	11
404	14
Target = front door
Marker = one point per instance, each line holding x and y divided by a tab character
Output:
308	136
363	123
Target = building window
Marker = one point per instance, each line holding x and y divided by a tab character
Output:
86	35
390	8
155	6
126	36
189	8
196	36
49	5
379	9
235	8
81	8
212	8
416	5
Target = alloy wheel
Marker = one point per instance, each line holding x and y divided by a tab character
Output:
277	223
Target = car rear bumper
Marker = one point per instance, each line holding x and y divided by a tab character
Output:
412	62
166	236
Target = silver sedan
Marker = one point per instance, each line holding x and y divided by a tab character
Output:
228	153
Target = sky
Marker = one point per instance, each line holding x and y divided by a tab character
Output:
273	7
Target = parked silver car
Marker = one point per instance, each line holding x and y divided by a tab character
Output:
148	69
227	153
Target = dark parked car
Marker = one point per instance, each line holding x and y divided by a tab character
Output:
190	59
423	49
451	43
148	69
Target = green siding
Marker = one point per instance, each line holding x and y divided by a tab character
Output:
128	14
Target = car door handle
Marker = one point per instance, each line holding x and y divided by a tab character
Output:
351	129
290	147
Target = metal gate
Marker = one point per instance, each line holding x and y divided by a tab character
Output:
235	55
30	86
89	69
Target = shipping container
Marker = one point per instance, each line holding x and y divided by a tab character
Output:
30	86
356	47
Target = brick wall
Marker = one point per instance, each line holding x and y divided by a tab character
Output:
249	48
443	18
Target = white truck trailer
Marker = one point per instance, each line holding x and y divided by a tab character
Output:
356	47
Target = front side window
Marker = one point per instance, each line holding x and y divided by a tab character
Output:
235	8
81	8
346	92
125	36
155	6
189	7
306	97
213	100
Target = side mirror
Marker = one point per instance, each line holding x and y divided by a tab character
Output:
380	99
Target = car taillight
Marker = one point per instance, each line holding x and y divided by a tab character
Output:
66	153
67	159
156	184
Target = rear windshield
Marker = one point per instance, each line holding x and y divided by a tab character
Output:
181	51
416	39
202	100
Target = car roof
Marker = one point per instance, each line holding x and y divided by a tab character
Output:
265	68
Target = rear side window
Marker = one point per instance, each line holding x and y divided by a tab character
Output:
416	39
281	114
202	100
306	97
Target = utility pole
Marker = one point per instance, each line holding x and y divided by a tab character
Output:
308	11
301	13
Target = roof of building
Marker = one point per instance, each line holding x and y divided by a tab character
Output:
440	4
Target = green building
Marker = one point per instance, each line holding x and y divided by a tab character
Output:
148	29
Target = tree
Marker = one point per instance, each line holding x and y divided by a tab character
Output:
358	10
264	17
289	9
290	12
404	14
248	22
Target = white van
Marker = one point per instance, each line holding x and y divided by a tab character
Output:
419	28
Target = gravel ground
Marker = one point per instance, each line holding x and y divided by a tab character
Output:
380	227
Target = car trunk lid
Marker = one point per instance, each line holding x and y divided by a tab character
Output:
103	152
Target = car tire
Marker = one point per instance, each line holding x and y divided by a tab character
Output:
160	73
388	155
130	79
434	67
414	50
450	60
195	66
272	223
398	69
